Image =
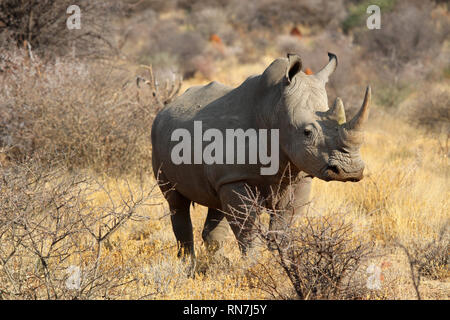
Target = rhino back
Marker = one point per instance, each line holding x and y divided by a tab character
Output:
180	114
216	106
193	99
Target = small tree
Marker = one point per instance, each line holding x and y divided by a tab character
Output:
41	25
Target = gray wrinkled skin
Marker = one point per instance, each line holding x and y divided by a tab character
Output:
315	141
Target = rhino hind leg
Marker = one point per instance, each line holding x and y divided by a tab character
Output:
179	216
215	230
181	223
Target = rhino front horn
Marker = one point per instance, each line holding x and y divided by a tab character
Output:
357	123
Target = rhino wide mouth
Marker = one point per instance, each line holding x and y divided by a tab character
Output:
336	173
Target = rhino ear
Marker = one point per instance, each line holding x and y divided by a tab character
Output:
294	66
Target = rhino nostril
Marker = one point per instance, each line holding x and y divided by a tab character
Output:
334	169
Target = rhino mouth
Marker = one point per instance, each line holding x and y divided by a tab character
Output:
337	173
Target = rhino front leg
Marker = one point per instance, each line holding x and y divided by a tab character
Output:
239	212
215	230
291	204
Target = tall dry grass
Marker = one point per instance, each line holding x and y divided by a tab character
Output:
401	203
85	114
75	160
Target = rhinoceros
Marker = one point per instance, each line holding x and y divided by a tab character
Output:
314	141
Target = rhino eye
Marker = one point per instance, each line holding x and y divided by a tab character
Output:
307	132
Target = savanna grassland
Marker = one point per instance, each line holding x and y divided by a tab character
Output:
81	215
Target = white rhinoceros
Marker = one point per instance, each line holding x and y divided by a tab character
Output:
312	139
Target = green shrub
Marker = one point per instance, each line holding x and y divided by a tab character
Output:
358	14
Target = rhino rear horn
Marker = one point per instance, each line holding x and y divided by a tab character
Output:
337	111
328	69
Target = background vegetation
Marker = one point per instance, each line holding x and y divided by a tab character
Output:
76	186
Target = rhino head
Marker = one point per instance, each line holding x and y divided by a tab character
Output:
317	139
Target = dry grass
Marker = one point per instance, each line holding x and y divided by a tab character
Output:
87	115
402	200
75	158
394	203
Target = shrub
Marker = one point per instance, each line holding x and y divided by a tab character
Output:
41	25
54	234
358	14
86	115
272	15
428	258
399	54
401	41
321	256
430	110
168	46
